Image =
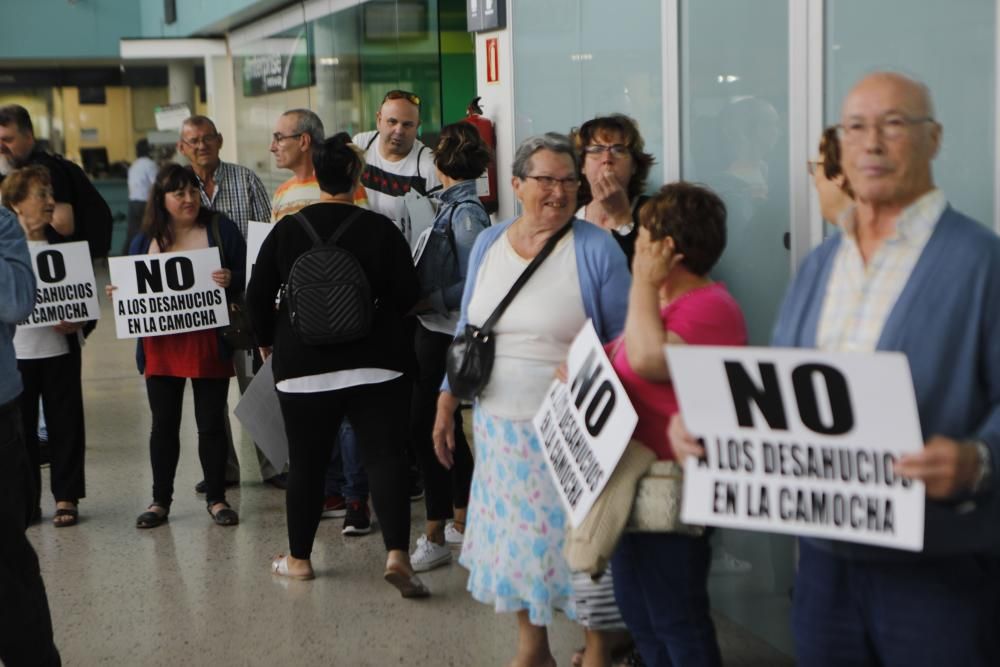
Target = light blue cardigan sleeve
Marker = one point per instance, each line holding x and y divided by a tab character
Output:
601	268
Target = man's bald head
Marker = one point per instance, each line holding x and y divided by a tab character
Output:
889	137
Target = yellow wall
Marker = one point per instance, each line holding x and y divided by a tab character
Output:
126	117
112	122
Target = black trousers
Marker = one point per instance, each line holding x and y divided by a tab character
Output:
57	381
378	413
25	623
166	398
445	488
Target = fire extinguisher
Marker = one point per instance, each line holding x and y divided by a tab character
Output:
487	184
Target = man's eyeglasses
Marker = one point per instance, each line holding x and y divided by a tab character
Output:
616	150
412	98
205	139
550	182
890	127
278	137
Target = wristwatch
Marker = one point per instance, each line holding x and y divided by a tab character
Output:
985	458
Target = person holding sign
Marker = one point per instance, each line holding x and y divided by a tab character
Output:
516	519
834	191
907	273
49	360
661	579
176	221
359	373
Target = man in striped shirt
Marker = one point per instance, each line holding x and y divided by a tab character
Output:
239	193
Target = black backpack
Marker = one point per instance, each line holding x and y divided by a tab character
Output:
91	214
329	298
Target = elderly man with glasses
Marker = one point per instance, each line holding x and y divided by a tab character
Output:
237	192
395	160
907	274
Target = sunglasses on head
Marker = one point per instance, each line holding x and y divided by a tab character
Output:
412	98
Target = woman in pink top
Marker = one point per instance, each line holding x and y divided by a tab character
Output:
661	579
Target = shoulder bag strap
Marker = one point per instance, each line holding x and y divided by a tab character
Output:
310	230
214	228
371	141
523	278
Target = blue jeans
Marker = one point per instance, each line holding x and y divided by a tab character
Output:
931	611
345	476
661	586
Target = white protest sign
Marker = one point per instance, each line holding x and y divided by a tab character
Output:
584	424
167	293
801	442
65	287
256	233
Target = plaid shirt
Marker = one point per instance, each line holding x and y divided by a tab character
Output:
239	193
859	298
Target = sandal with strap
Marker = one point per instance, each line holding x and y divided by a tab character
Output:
226	516
279	567
65	517
151	518
409	586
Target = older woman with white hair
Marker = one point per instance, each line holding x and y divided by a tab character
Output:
516	521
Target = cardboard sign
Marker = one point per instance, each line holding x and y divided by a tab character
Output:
167	293
65	287
256	233
801	442
260	414
584	425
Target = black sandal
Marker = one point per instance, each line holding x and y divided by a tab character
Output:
66	516
152	519
227	516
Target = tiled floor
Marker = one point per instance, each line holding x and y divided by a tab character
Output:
192	593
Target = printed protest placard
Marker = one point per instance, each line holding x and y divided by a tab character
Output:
65	289
801	442
584	424
256	233
167	293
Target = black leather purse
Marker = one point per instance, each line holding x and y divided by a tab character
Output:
237	335
470	356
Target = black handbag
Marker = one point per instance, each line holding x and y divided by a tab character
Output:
470	356
237	335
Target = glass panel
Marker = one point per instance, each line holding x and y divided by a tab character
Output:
574	61
950	46
734	110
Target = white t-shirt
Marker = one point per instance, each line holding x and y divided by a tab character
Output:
534	334
386	182
39	342
141	175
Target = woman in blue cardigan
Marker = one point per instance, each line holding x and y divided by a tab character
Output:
175	221
516	522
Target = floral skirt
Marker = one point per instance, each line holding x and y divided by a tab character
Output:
515	525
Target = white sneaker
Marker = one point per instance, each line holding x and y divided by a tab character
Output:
429	555
451	534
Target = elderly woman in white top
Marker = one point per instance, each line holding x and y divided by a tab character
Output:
516	521
49	361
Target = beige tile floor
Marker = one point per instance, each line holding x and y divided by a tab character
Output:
192	593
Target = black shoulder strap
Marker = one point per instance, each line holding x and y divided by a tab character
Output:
339	231
371	141
523	278
306	225
213	226
419	153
